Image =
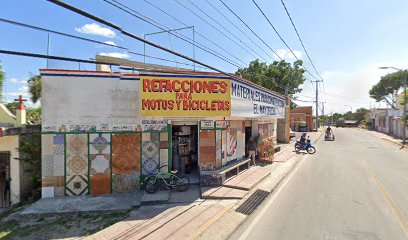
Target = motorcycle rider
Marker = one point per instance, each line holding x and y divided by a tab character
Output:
329	131
303	139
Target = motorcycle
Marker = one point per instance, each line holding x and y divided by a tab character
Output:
329	137
305	147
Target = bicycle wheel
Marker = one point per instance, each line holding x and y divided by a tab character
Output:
151	184
182	183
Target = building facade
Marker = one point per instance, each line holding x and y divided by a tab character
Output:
106	132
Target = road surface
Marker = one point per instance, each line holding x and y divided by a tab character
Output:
353	188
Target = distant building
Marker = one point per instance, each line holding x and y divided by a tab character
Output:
15	176
301	119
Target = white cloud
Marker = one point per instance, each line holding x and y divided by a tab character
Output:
116	55
111	43
287	54
15	81
95	29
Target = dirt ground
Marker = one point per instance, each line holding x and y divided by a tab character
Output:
55	227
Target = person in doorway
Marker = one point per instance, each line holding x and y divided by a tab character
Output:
252	146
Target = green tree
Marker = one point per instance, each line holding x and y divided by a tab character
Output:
34	115
1	83
34	84
12	106
387	88
360	114
278	76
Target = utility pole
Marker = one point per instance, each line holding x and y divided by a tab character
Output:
404	124
317	103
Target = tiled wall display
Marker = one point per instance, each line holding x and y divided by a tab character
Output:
100	161
207	150
125	162
151	153
52	164
76	171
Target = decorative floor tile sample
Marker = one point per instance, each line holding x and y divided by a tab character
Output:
151	155
77	164
100	160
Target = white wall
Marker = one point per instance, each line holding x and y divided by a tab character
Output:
11	144
78	100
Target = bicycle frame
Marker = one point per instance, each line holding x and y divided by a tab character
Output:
164	176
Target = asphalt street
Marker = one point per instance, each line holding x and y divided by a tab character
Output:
355	187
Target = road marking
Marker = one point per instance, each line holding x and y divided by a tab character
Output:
270	202
392	205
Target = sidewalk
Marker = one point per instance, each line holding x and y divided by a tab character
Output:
184	215
385	137
204	218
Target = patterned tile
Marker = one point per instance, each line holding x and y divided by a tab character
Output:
77	154
150	157
100	184
150	166
47	192
126	153
77	164
46	144
47	166
207	158
77	185
99	143
125	182
59	139
100	163
58	150
154	137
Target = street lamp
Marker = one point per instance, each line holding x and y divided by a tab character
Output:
404	80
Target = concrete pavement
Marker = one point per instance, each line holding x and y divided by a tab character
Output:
353	188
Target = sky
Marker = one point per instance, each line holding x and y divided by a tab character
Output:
347	40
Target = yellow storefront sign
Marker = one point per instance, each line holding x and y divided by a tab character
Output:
184	96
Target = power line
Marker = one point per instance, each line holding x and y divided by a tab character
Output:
274	29
197	32
100	20
36	55
239	29
89	40
136	14
277	33
219	24
300	39
236	15
225	35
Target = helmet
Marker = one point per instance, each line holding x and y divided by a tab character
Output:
303	134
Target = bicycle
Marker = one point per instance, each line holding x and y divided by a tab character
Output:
179	182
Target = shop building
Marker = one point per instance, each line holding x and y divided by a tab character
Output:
105	132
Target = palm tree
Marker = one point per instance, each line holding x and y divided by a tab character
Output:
34	84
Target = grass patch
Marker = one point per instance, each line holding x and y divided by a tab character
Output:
60	226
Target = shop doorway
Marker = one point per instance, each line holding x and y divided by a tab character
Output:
185	151
248	134
4	179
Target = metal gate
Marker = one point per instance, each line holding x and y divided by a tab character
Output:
4	179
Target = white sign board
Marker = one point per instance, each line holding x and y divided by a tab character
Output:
249	100
80	101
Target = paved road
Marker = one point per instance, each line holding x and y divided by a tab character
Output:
353	188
